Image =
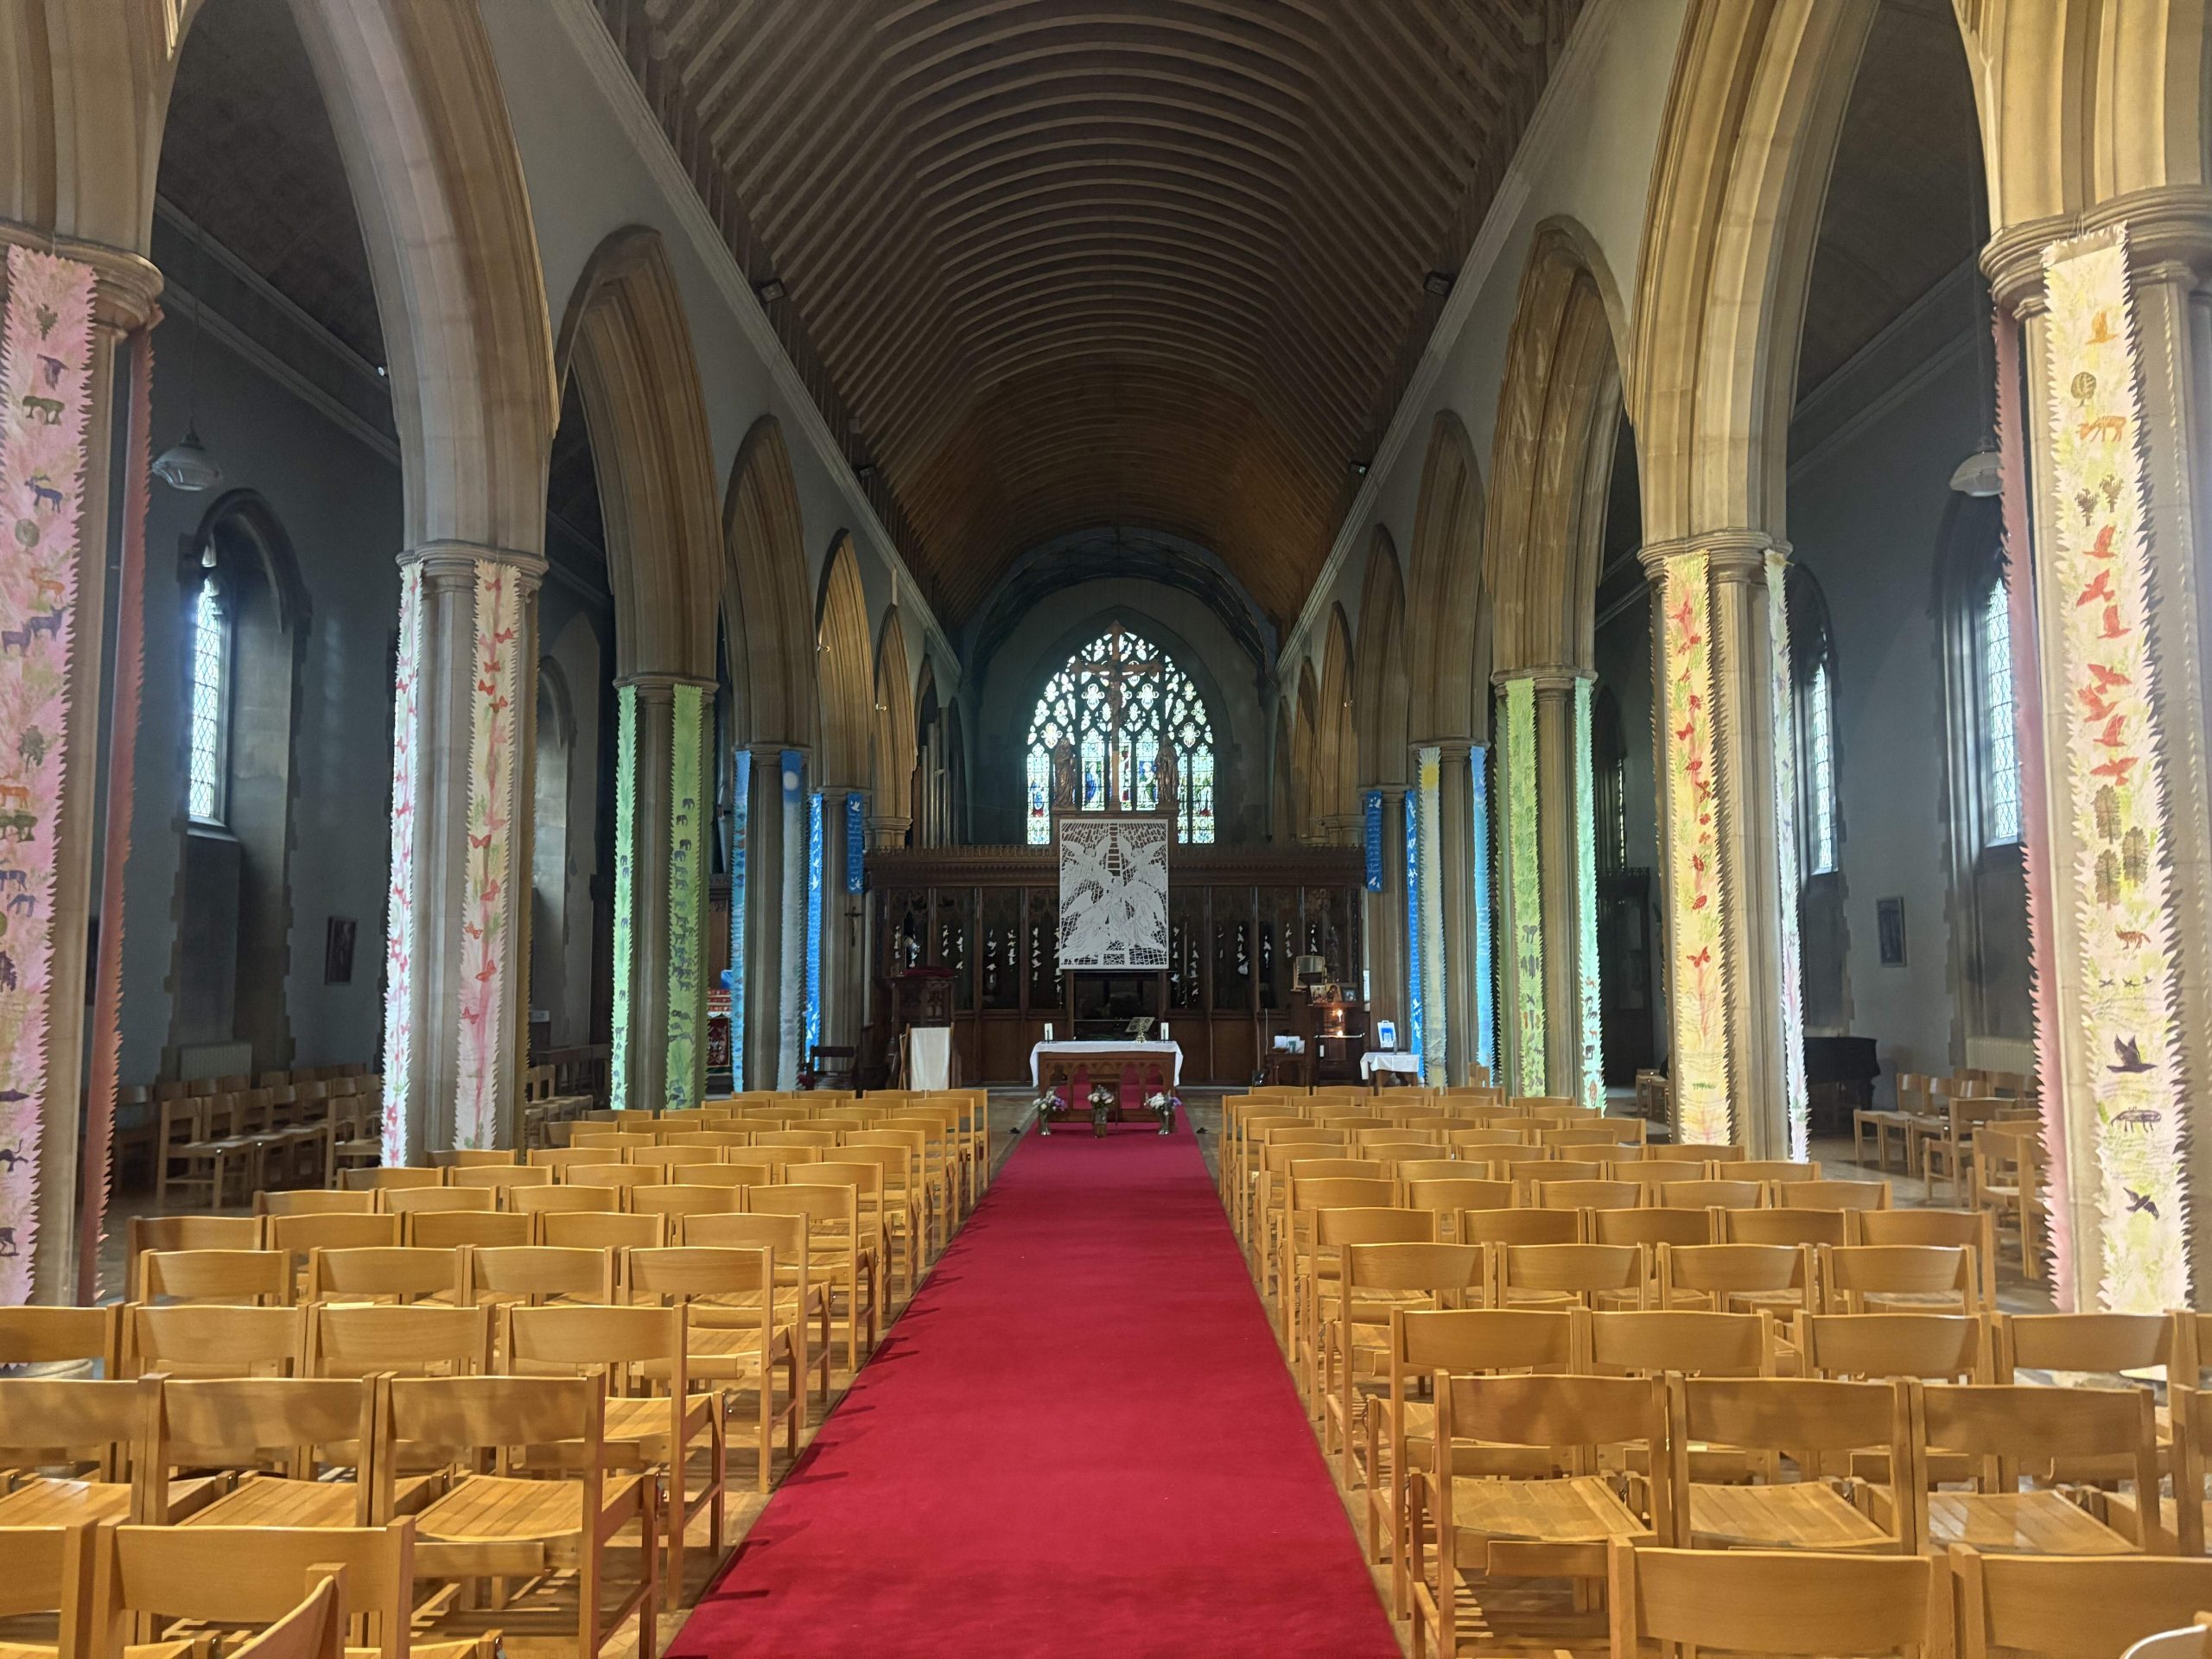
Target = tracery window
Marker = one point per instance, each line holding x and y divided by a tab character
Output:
1120	726
1999	748
211	704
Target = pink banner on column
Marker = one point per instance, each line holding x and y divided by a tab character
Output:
46	353
487	943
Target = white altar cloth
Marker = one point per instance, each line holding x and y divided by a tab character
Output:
1124	1051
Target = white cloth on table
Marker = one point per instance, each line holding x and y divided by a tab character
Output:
1170	1052
1377	1059
1287	1045
929	1057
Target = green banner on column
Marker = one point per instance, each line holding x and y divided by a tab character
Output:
625	887
1585	904
686	896
1527	885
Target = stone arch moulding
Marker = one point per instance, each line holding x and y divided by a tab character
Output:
767	620
845	669
1551	459
1382	689
1337	756
625	338
896	746
1305	755
1449	598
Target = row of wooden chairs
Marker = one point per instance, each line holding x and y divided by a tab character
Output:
282	1133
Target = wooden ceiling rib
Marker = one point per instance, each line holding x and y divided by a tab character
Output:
1060	263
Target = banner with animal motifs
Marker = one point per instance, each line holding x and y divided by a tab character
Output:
46	354
2111	773
487	901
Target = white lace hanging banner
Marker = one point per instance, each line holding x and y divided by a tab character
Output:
1114	892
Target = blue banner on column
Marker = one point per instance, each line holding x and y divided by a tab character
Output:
814	880
740	814
791	890
855	844
1415	1010
1375	841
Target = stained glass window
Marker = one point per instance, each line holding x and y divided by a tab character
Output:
1820	767
211	703
1130	728
2000	753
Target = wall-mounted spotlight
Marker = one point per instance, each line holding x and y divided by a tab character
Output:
1358	468
864	471
1437	282
772	290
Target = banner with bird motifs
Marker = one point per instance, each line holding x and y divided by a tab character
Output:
1427	807
1585	904
1700	977
487	903
687	895
1114	892
46	357
1524	881
2111	773
625	890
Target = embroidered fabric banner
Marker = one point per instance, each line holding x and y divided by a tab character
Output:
46	356
1797	1101
1414	997
2113	774
686	896
1525	883
487	936
1114	892
400	899
856	842
1435	1067
740	815
1485	926
1701	1059
816	878
1586	905
625	890
1371	840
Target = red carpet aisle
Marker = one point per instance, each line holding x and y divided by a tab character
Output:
1081	1440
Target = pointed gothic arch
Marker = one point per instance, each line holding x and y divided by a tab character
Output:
1381	690
768	623
845	671
895	748
1336	751
1446	590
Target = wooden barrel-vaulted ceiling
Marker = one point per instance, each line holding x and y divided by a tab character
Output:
1051	264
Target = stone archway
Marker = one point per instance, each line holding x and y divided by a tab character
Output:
895	749
845	671
1336	760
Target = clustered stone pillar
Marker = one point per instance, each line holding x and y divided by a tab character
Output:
1718	720
843	970
457	996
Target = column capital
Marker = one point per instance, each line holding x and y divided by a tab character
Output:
663	684
1391	793
1447	749
451	560
1735	552
1550	677
2166	226
128	284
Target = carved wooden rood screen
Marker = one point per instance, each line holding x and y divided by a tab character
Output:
1238	917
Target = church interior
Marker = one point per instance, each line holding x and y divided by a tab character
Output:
1342	827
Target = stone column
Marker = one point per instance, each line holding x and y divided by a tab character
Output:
775	909
886	831
123	300
844	966
2108	1251
1455	796
1717	597
456	1000
1384	927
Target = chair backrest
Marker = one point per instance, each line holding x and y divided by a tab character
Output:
538	1200
670	1155
1570	1416
2014	1427
600	1230
380	1271
1583	1271
1950	1347
1799	1417
1518	1226
1335	1191
2073	1607
1773	1169
278	1422
675	1203
684	1273
246	1278
1583	1194
1470	1339
147	1233
1780	1602
476	1158
1973	1229
195	1573
1652	1342
1833	1195
42	1335
611	1178
384	1178
1450	1194
1438	1269
559	1158
440	1201
425	1340
454	1229
500	1178
1785	1226
789	1237
540	1272
1712	1195
1721	1271
2102	1345
1651	1227
1656	1171
314	1201
1337	1226
46	1422
1852	1273
1695	1152
50	1571
744	1172
197	1340
626	1344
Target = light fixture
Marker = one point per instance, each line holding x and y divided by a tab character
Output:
1358	468
1980	474
864	471
1437	282
186	466
772	290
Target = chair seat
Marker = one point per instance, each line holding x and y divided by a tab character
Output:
2019	1524
271	1501
1795	1515
1580	1510
500	1523
47	1503
644	1423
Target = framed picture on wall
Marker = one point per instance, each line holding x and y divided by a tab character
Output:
338	951
1888	931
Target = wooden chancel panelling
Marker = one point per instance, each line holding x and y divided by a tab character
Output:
1050	266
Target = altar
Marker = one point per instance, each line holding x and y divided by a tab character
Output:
1136	1073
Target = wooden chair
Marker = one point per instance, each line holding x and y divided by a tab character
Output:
1655	1173
1313	1353
1973	1231
285	1435
501	1525
1558	1524
501	1179
1711	1195
315	1201
2012	1430
1945	1347
1737	1278
557	1158
742	1173
62	1335
298	1236
865	1179
843	1256
1867	1278
1591	1195
1450	1195
1648	1228
536	1201
802	1298
1580	1275
1517	1227
49	1571
1833	1195
82	1431
192	1339
239	1278
2072	1607
615	1180
674	1204
2007	1183
146	1233
535	1275
1911	1108
457	1229
421	1339
1778	1602
395	1274
386	1177
1812	1423
1373	1279
1793	1227
1306	1197
724	1297
1652	1342
600	1230
438	1200
1948	1142
1402	1434
634	1350
1773	1171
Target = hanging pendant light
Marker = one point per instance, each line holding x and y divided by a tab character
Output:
185	465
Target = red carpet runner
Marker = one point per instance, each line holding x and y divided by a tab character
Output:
1080	1440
